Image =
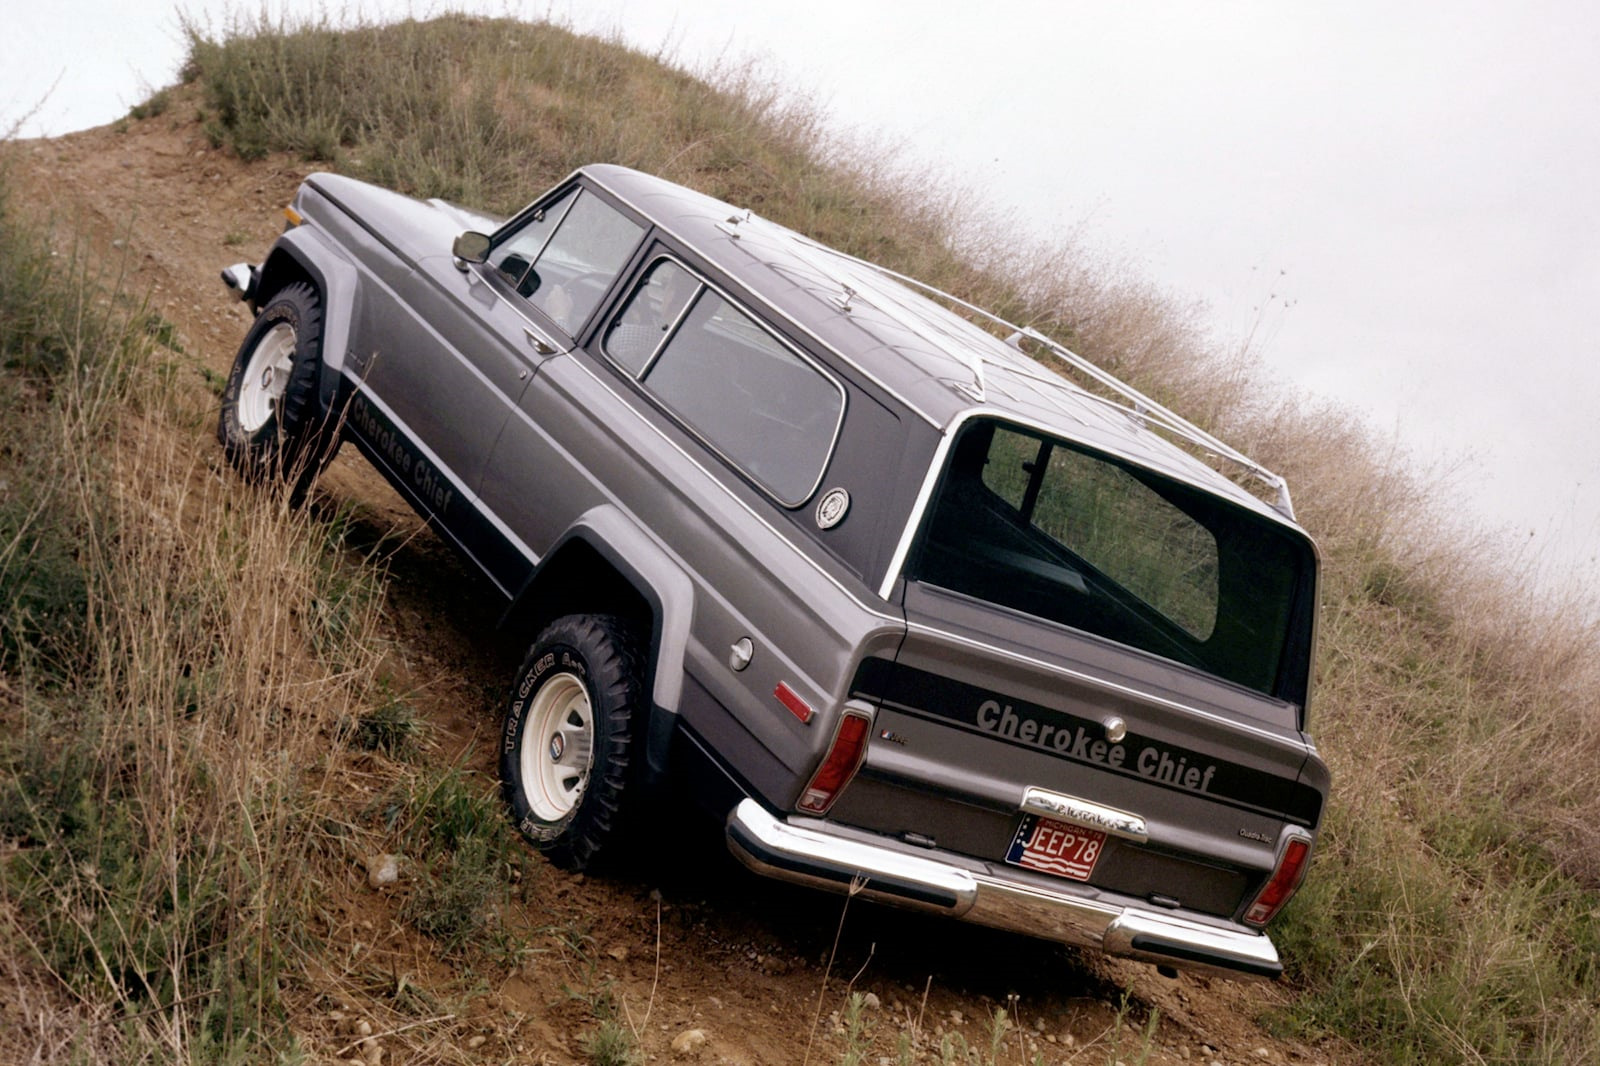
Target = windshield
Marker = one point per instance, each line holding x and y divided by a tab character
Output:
1068	534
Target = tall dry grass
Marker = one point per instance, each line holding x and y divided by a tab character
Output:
178	649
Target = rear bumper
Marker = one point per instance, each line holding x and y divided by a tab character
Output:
816	854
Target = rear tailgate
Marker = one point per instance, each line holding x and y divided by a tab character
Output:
1065	757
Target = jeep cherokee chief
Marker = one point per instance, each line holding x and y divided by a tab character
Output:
958	631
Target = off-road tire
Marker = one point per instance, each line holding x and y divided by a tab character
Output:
581	686
271	425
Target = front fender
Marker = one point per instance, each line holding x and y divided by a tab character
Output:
305	253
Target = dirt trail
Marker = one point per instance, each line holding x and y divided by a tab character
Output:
740	958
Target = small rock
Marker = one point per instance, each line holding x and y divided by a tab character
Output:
620	953
477	1042
871	1001
715	1002
1262	1053
688	1042
383	870
373	1053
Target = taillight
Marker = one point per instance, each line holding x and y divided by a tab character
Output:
1283	882
840	764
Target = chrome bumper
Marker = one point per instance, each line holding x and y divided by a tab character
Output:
836	862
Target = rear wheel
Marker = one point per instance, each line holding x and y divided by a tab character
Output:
566	742
271	425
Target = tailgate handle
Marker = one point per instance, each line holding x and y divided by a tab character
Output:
1085	813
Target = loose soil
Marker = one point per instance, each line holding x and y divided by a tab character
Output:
691	943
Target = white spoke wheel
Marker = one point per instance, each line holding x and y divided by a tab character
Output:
272	423
566	744
557	747
266	375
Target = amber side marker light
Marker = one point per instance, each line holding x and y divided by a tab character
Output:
841	763
293	216
1283	883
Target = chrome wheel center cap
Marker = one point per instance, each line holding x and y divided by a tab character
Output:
557	746
266	380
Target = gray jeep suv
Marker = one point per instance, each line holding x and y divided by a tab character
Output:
947	626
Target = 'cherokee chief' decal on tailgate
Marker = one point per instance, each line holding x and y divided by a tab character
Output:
930	696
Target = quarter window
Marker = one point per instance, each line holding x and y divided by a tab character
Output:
765	408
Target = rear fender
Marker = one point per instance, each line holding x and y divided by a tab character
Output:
579	573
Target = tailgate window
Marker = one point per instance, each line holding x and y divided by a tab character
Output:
1061	532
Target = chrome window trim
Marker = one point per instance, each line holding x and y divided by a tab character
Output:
672	330
639	379
897	561
874	610
493	244
777	312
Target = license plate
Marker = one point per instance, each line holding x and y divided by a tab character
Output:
1056	848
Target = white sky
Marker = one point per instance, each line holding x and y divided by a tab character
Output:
1398	198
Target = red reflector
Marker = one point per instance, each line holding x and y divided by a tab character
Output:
791	699
840	764
1285	879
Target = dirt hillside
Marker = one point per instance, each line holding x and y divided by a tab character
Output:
692	944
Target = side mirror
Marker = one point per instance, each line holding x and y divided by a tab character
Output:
470	247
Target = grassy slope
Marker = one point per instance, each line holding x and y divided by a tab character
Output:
1450	915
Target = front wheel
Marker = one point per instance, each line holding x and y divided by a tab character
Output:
271	424
565	744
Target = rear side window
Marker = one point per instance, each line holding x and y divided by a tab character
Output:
768	410
565	257
1052	529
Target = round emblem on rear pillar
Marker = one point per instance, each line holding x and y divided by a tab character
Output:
1116	729
832	507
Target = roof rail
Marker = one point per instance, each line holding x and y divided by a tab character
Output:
1141	407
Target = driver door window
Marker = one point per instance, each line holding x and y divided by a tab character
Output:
566	256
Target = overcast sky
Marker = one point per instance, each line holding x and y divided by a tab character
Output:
1398	199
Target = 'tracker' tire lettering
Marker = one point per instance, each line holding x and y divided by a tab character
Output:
565	743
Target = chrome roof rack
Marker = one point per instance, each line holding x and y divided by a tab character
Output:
1129	400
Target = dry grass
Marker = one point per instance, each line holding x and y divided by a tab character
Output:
159	770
